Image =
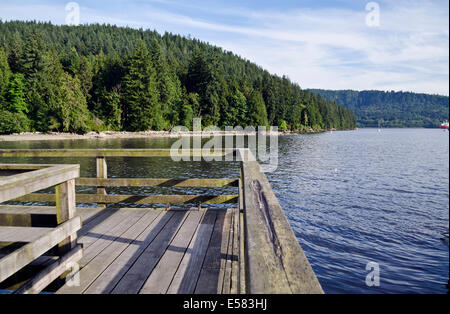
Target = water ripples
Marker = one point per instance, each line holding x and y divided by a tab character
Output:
361	196
351	198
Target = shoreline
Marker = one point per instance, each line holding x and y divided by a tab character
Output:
55	136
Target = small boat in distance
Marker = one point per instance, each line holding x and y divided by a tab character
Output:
444	125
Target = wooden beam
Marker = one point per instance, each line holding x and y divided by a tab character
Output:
21	257
156	182
270	244
105	152
102	173
21	234
21	184
51	272
66	210
23	166
137	199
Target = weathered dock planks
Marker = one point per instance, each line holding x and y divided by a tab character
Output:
186	277
138	273
161	277
161	252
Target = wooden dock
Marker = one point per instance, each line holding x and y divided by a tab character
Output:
130	250
245	247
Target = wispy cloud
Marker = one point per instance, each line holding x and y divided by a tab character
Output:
319	46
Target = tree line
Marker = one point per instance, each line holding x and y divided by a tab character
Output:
392	109
102	77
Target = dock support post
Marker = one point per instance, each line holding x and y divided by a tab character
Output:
102	173
65	210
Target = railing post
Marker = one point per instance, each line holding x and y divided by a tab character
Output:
65	210
102	173
241	276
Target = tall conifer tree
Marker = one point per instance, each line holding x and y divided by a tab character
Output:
142	110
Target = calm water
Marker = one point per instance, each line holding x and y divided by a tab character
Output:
363	196
351	197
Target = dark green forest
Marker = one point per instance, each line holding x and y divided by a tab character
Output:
102	77
391	109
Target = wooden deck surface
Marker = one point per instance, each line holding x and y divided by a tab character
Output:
134	251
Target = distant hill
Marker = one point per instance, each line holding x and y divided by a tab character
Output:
391	109
102	77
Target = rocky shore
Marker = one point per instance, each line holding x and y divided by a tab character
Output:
38	136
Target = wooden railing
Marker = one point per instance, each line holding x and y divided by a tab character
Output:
274	260
271	259
17	180
102	181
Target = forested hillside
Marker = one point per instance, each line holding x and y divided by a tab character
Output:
391	109
103	77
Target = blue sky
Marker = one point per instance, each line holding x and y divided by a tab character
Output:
318	44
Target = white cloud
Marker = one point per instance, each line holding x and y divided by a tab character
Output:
331	48
318	48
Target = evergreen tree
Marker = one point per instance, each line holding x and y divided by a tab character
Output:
105	103
5	76
31	61
270	96
197	80
140	94
15	52
16	94
113	120
45	95
165	84
257	110
190	102
282	125
72	64
72	110
216	92
236	113
205	79
85	76
297	108
314	117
